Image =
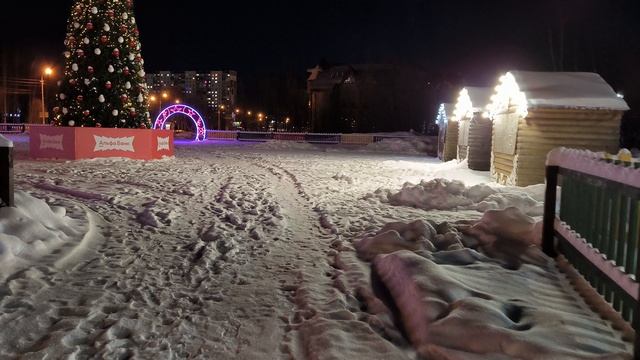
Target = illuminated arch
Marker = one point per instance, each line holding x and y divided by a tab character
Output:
201	130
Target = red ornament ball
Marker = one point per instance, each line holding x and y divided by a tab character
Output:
123	28
89	26
116	53
143	126
80	53
126	71
124	98
104	39
132	113
72	81
111	13
80	98
98	125
86	113
108	85
90	69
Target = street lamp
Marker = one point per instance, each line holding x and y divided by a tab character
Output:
220	108
178	101
48	72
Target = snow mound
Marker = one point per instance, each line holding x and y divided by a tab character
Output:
483	309
443	194
31	230
409	145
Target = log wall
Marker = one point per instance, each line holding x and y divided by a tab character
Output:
545	129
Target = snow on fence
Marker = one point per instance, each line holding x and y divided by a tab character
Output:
319	138
9	128
6	172
597	226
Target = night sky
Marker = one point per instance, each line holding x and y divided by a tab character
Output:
468	40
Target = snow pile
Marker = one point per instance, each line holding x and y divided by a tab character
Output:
443	194
4	142
462	307
458	295
409	145
31	230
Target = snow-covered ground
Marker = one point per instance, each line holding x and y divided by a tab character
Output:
268	251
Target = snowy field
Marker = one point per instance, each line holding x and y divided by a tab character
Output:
282	251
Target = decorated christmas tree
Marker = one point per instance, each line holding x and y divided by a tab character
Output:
104	80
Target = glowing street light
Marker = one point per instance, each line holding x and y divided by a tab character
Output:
165	95
153	98
48	72
220	109
177	101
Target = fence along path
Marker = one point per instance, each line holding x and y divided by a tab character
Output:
595	226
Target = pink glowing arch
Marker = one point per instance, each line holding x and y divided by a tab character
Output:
201	130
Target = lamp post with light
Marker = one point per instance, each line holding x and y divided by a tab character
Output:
48	72
220	109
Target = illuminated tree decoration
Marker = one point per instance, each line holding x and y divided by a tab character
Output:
198	120
508	94
104	80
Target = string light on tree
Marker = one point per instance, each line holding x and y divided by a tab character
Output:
104	82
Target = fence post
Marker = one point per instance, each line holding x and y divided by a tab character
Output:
6	172
548	225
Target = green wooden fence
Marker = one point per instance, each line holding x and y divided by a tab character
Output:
606	214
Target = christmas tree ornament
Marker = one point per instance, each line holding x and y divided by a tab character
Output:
108	85
110	13
72	82
106	27
86	113
90	69
62	96
121	40
115	113
74	67
67	54
76	25
111	69
140	98
80	98
86	41
127	85
116	53
101	98
65	111
124	97
104	39
98	125
80	53
71	123
97	51
125	16
87	82
89	26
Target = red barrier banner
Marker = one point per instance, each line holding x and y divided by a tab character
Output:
88	143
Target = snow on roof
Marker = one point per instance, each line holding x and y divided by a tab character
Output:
568	90
472	100
4	142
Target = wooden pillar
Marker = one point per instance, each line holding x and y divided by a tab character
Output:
548	232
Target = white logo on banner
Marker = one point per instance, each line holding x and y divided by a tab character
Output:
51	142
163	143
104	143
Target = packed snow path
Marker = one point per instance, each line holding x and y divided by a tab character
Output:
228	251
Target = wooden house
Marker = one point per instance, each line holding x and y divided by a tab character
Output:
534	112
447	133
474	127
